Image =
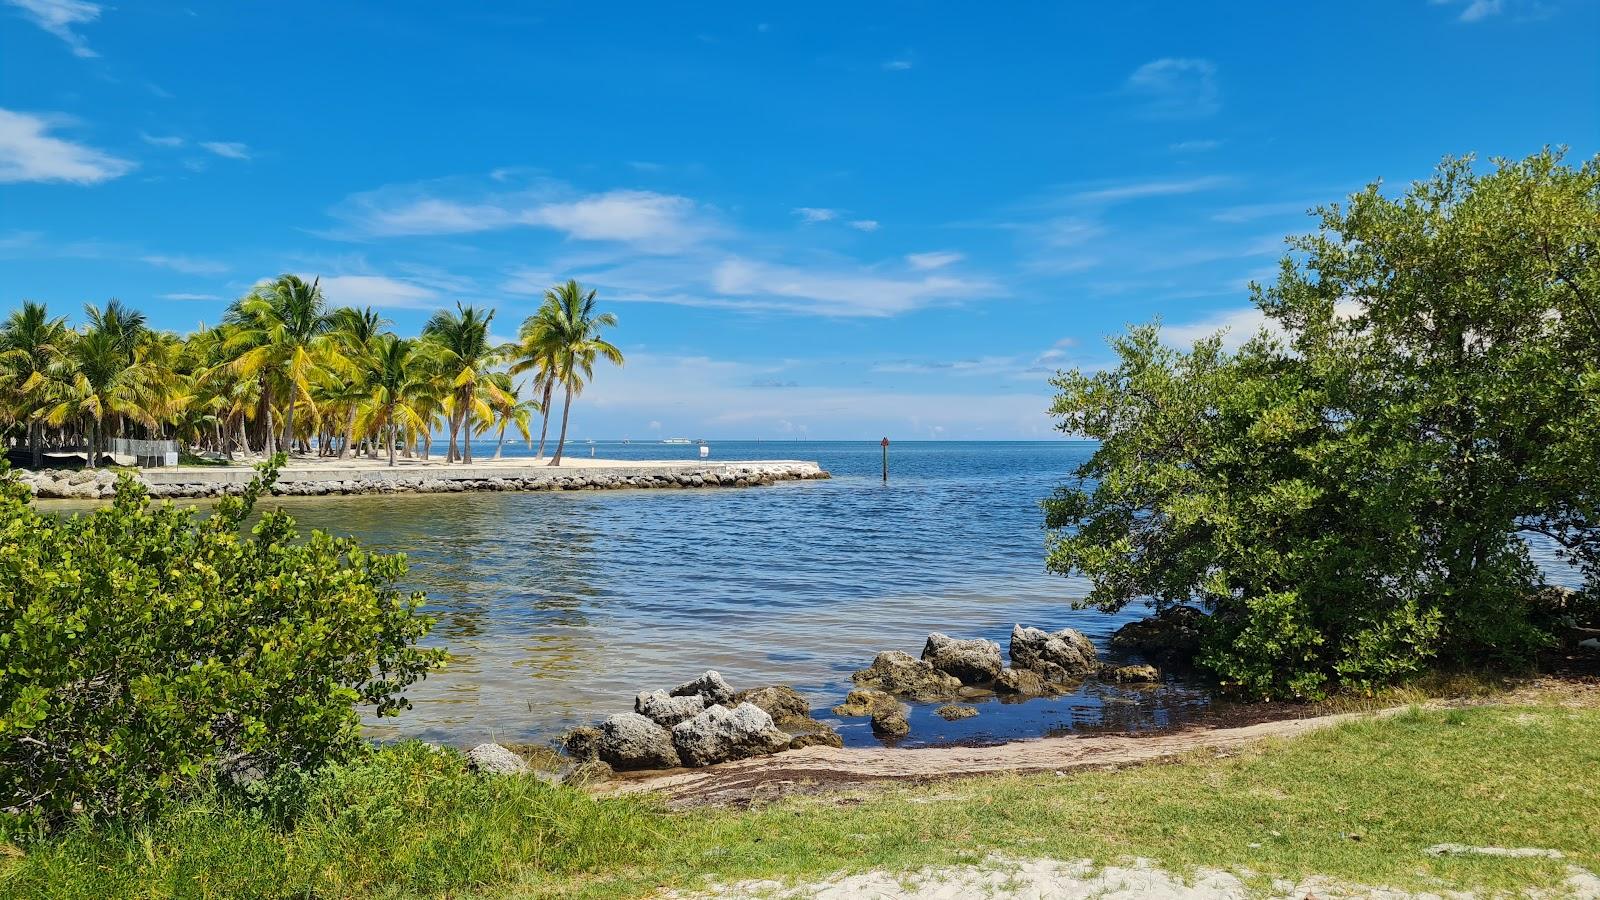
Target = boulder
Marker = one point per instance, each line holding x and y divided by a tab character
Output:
710	686
1057	656
972	661
1170	637
891	722
865	702
1131	674
666	710
1023	682
632	741
778	701
950	712
721	734
901	673
582	743
493	759
824	737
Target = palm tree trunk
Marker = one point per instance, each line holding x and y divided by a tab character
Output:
455	425
500	444
466	439
349	432
94	426
35	442
288	427
391	438
566	409
544	409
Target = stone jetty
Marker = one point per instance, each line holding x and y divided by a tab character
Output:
332	477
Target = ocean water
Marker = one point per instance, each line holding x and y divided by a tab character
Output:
558	607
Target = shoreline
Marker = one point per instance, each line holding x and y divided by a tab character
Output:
327	477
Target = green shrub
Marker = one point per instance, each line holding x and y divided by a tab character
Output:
146	649
1347	494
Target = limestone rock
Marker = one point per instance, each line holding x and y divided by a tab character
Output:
972	661
721	734
825	737
493	759
950	712
1057	656
1132	674
865	702
666	710
1170	637
891	722
710	686
1022	682
632	741
778	701
901	673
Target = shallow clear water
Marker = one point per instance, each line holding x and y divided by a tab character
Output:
559	607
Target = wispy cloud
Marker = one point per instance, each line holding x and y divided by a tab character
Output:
815	214
936	259
227	149
1238	325
865	224
898	64
60	17
29	153
378	290
157	140
190	297
1250	212
646	220
1175	88
188	265
1137	190
1474	10
1194	146
855	292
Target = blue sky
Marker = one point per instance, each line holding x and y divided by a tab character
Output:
822	220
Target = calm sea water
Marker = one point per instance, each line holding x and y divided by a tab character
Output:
558	607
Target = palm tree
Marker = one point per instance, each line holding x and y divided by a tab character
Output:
575	337
401	375
509	409
355	333
535	351
279	336
460	343
100	378
32	346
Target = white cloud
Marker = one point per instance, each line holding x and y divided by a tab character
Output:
644	219
868	225
188	265
1240	324
59	16
377	290
714	398
1475	10
1195	146
626	216
184	296
227	149
1139	190
29	153
853	292
936	259
897	65
1173	88
1250	212
815	214
156	140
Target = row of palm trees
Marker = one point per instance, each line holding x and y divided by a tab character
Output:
285	372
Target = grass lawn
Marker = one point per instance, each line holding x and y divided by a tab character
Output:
1358	803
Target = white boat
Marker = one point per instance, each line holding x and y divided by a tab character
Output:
677	441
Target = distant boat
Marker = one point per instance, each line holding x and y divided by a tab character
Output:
677	441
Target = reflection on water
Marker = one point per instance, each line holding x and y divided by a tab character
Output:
558	607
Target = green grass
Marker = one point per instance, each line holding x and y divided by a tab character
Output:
1358	803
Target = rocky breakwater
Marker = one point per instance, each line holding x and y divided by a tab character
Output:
206	482
700	723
